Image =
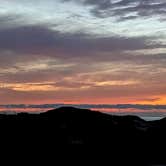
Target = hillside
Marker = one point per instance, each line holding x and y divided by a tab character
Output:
73	126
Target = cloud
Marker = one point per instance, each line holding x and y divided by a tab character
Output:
106	50
25	39
42	40
126	9
22	48
151	99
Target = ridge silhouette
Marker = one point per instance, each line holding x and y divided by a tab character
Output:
73	126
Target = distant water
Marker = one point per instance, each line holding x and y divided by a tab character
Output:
148	115
145	117
151	118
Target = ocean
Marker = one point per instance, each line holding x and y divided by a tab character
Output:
151	118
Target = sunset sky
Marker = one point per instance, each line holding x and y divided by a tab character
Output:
83	51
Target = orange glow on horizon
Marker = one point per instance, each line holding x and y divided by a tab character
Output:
161	101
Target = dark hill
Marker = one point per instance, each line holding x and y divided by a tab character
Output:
122	135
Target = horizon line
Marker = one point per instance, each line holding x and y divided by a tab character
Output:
86	106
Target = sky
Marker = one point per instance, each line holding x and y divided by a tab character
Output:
83	51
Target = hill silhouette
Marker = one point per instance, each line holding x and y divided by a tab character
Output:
73	126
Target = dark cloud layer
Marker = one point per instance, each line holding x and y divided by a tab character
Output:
40	39
88	106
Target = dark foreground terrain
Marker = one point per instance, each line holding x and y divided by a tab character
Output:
127	137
